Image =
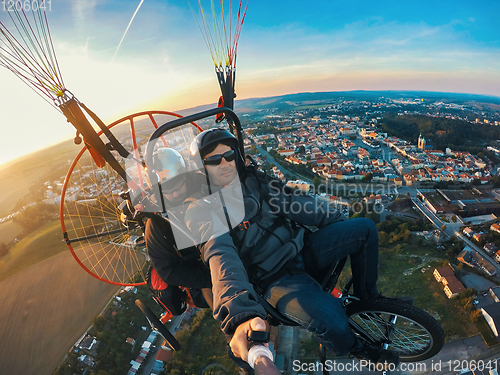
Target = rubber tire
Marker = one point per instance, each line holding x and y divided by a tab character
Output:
407	313
157	325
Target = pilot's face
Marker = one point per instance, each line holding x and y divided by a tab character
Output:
225	172
177	193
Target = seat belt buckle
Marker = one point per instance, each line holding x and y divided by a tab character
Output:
244	225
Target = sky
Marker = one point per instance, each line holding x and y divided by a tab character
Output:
286	46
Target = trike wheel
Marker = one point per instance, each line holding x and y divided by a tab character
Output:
411	332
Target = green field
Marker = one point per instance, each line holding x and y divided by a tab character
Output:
44	243
400	274
422	286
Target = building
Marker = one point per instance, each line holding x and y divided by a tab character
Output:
492	315
87	360
164	355
468	232
442	272
477	236
453	287
495	293
490	247
421	142
287	152
465	257
483	264
446	276
89	343
495	228
136	364
475	260
299	184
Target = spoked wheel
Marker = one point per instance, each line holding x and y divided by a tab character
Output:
91	218
412	333
157	325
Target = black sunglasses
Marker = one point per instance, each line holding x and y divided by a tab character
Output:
217	159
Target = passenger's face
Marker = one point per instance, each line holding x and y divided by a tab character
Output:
224	173
176	194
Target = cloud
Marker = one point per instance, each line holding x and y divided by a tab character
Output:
367	45
82	11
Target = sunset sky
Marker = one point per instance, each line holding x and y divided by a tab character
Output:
286	46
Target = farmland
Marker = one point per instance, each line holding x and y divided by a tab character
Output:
45	309
39	245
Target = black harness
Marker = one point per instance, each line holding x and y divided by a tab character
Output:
254	271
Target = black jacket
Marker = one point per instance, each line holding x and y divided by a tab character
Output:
180	268
231	256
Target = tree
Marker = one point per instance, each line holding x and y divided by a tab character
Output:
475	315
316	182
367	177
443	228
383	238
375	217
406	235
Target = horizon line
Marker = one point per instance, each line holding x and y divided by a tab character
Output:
3	164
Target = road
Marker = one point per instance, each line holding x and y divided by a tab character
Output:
479	250
453	229
271	160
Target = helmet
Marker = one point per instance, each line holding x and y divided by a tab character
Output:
209	139
169	166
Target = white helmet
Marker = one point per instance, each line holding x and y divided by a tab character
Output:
169	166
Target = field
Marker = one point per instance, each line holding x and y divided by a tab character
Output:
48	301
39	245
9	230
401	275
19	175
45	309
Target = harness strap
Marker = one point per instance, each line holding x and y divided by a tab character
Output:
289	268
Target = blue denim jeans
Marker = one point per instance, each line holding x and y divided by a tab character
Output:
300	296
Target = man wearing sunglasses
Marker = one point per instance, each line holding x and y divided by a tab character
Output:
266	253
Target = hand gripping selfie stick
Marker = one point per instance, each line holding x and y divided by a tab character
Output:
260	358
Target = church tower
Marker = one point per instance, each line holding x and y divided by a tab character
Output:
421	142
